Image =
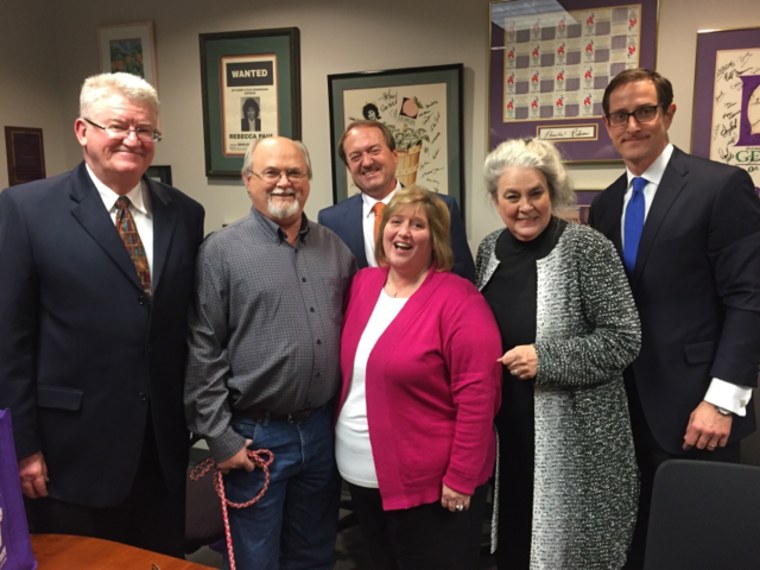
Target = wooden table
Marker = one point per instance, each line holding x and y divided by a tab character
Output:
64	552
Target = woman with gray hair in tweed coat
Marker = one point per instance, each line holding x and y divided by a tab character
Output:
567	481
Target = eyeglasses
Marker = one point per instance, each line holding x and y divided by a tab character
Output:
644	114
144	134
272	175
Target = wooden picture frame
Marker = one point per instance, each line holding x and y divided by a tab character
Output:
242	71
26	154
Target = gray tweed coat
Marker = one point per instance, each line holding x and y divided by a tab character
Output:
587	332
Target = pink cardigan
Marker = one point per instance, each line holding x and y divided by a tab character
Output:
433	387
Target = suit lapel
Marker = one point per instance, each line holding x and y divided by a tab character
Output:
672	183
87	208
164	222
610	204
354	229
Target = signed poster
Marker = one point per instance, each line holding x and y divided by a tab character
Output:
416	115
422	107
735	125
728	86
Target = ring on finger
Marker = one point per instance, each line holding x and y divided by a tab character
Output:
459	508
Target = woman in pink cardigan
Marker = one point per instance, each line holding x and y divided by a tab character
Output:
421	386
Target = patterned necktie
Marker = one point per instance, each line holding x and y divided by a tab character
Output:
377	209
634	224
125	225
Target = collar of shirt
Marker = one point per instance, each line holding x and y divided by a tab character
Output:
368	202
136	195
274	229
653	175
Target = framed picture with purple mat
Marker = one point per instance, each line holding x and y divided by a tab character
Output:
550	63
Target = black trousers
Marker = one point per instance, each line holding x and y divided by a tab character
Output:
151	517
649	457
427	537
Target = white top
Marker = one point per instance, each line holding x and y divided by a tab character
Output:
140	210
353	451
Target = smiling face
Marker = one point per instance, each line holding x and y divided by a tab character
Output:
117	162
407	242
524	202
371	163
282	199
639	143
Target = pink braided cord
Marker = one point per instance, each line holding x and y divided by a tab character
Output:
261	458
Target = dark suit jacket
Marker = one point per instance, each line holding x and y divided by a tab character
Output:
697	288
86	361
345	219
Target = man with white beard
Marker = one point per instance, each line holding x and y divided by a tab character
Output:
262	370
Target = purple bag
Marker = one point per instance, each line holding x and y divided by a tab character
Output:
15	546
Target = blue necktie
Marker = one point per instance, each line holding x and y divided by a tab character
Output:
634	224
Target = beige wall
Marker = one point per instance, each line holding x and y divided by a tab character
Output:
50	47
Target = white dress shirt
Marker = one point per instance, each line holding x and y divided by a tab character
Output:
140	210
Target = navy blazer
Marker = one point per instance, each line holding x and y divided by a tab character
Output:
345	219
696	284
87	362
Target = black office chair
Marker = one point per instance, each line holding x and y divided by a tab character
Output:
704	516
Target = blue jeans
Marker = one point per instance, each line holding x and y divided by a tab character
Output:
295	523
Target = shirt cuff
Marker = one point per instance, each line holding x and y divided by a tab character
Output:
731	397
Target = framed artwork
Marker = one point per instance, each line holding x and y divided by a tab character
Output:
130	48
251	87
421	106
550	63
26	154
162	173
727	99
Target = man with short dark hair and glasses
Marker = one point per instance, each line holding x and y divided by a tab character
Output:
688	231
96	274
263	368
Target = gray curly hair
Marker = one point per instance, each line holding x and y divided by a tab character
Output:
530	153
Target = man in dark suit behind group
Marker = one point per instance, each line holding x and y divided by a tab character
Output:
92	355
368	149
696	281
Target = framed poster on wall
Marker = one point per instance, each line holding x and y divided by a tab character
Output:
130	48
550	63
251	88
421	106
727	99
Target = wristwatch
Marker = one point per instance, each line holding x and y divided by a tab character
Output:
723	411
